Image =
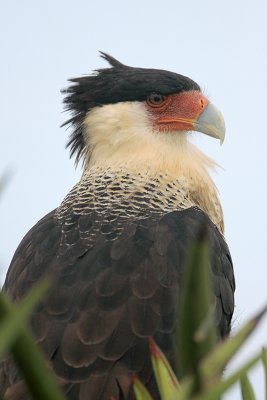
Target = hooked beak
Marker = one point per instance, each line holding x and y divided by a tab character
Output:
211	122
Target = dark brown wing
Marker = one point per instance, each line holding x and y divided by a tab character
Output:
108	299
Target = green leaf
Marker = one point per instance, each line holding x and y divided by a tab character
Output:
196	329
246	388
186	388
31	362
140	391
221	386
212	366
11	321
165	377
264	360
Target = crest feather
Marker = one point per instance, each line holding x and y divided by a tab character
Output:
111	60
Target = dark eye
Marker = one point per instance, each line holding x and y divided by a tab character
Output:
156	99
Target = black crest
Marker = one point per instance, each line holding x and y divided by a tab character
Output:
116	84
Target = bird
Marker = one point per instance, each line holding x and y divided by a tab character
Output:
116	246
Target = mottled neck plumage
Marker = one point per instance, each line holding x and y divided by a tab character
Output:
126	194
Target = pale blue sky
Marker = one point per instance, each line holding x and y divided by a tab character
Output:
221	45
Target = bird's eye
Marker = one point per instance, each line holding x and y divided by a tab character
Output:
156	100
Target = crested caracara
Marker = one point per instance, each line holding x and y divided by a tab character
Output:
117	243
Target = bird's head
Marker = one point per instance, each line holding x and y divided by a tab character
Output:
125	114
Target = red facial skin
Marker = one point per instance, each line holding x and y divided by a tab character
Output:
176	112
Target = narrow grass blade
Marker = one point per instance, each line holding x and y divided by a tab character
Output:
140	391
31	362
246	388
12	321
264	361
221	386
165	377
186	388
196	330
39	379
213	365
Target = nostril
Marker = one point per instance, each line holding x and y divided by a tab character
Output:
202	103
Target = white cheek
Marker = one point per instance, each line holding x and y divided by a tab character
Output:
116	124
124	133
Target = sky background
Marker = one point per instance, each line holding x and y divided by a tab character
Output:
221	45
